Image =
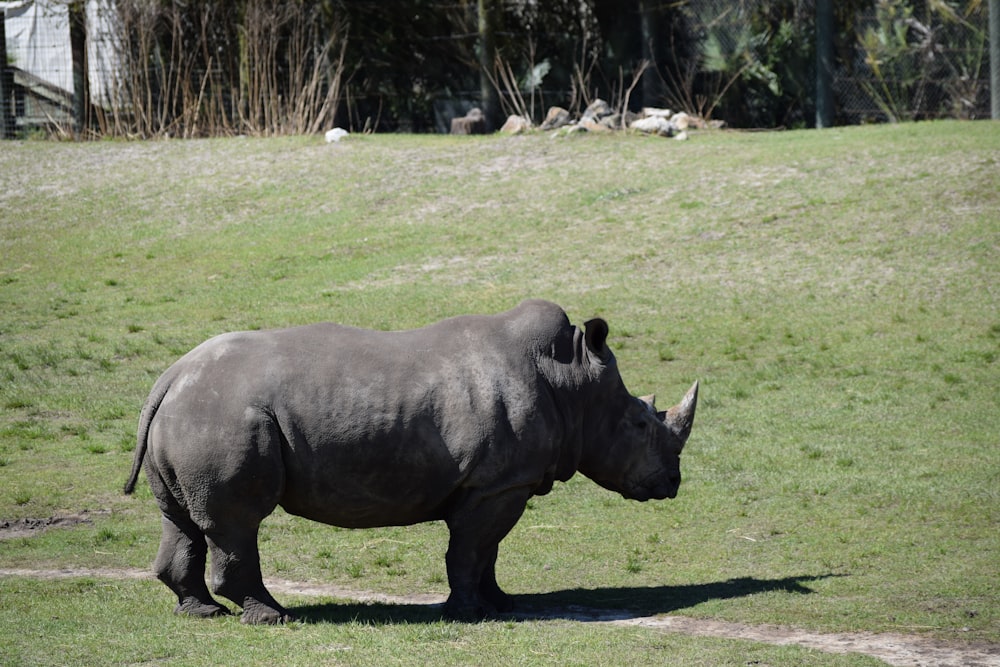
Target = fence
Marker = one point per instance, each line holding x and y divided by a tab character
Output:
912	65
39	71
138	69
282	70
895	61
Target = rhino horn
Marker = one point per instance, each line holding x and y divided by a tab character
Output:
680	418
649	400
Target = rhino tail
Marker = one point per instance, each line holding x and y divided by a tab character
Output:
142	436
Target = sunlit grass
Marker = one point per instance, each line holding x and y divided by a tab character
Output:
835	301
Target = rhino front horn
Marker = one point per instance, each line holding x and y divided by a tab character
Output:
680	418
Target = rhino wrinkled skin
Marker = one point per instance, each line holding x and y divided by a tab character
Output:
461	421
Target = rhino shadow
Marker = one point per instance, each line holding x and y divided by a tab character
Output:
579	604
606	604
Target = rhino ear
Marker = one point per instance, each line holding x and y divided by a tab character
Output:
680	418
597	336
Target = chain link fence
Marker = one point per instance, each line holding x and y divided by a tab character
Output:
898	60
916	65
895	61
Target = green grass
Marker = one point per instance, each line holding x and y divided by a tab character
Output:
338	632
834	291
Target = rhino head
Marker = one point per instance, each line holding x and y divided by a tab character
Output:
635	450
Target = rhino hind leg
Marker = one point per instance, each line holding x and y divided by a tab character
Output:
180	564
236	575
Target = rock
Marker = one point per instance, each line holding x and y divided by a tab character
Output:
612	122
555	118
591	125
472	123
648	112
516	125
601	118
597	110
681	120
335	135
573	128
653	125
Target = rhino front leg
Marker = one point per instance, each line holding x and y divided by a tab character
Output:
476	528
490	591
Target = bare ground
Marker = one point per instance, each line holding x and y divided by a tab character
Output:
11	528
894	649
899	650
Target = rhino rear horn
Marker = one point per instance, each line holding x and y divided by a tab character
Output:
680	418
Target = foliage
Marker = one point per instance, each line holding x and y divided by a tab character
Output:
925	59
207	68
410	59
751	62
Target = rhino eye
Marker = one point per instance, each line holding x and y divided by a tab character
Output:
640	424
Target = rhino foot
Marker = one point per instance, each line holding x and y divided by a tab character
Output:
495	597
258	613
194	607
503	603
478	609
465	612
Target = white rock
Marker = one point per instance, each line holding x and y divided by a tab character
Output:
655	112
653	125
597	110
336	134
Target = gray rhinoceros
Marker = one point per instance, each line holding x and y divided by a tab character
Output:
461	421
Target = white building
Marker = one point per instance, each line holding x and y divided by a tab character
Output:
40	58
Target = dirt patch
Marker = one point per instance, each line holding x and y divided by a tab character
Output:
11	528
897	650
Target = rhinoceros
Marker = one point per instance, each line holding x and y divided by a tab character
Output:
461	421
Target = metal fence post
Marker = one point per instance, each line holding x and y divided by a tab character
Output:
487	53
78	48
7	120
824	63
995	59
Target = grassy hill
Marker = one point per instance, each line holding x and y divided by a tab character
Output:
835	292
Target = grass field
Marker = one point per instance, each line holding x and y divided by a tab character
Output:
835	292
